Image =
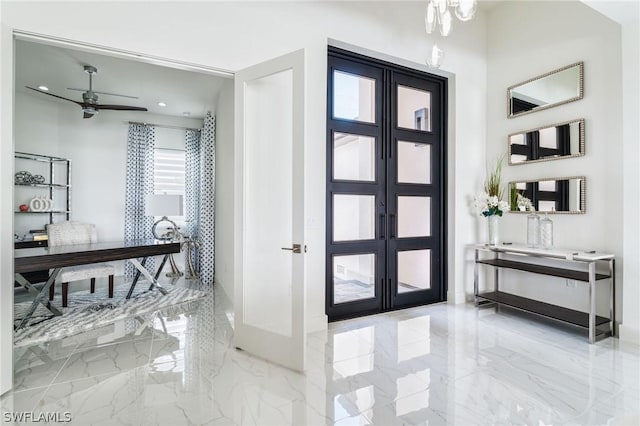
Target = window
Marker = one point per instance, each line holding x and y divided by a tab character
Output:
169	176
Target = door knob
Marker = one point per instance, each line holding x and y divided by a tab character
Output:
297	248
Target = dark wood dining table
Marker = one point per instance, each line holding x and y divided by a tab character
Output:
57	257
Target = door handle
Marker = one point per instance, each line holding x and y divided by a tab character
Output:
393	226
383	227
297	248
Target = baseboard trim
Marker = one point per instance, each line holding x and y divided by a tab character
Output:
629	334
456	297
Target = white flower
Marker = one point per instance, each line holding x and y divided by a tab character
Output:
486	205
523	203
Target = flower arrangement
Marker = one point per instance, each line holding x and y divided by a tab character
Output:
489	202
519	202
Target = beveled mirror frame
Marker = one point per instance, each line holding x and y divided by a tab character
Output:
580	64
581	142
583	194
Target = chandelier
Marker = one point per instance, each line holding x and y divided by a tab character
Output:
439	14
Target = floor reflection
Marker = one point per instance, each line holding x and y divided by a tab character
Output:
439	364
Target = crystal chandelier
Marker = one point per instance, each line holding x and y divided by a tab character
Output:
439	13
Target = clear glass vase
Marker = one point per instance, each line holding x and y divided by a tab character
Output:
546	232
492	223
533	230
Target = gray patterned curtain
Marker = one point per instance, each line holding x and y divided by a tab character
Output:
192	188
207	200
140	148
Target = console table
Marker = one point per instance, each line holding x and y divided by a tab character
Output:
575	265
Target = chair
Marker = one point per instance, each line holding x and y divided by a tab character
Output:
66	233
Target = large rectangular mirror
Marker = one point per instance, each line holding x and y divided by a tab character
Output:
553	142
548	90
553	195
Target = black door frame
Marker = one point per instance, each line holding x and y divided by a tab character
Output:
384	131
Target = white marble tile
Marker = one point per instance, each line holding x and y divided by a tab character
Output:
440	364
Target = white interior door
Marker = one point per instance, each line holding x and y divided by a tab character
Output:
270	288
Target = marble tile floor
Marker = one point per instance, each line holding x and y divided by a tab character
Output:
439	364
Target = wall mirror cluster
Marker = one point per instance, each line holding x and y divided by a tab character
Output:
554	88
553	142
558	195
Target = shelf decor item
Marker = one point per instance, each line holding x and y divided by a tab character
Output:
489	203
546	232
533	230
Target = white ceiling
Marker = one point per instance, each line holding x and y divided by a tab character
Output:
60	68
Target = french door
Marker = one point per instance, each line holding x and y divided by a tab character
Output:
270	287
385	186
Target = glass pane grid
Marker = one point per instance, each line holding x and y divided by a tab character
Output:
353	217
414	270
354	157
353	97
414	216
414	162
353	277
414	109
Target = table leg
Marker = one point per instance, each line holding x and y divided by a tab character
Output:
44	293
31	289
475	277
135	279
592	302
612	296
147	275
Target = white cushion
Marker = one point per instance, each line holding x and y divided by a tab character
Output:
84	272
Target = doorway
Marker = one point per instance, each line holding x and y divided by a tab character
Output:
386	212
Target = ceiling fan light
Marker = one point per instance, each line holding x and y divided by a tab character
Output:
465	10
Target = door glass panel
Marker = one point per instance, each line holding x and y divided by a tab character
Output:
354	157
414	162
353	277
414	270
354	97
414	216
268	279
353	217
414	109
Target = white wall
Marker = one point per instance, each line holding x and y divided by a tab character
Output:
97	148
235	35
518	50
6	207
224	201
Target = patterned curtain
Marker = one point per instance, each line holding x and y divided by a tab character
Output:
140	148
207	200
192	188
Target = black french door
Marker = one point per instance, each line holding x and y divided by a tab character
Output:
386	132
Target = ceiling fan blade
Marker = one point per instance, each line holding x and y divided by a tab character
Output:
120	107
55	96
104	93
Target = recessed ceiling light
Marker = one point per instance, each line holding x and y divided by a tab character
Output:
186	113
43	88
162	104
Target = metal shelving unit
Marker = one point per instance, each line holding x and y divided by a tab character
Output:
58	185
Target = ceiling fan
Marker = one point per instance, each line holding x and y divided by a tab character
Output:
89	104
